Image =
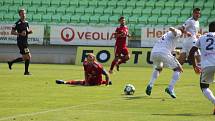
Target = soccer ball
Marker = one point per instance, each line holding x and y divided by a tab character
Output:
129	89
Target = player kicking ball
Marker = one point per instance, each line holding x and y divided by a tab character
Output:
207	48
93	74
161	57
121	51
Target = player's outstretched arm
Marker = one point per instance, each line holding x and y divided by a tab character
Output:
176	32
191	55
173	30
192	59
185	32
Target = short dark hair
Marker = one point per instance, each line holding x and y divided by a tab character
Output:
20	10
212	27
122	17
196	9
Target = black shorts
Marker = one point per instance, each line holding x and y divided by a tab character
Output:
23	49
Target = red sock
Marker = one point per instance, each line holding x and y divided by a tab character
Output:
75	82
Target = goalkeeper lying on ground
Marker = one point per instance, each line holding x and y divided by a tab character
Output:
93	74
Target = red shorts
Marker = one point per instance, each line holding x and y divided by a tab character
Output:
121	51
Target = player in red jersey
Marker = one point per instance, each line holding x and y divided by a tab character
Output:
93	74
121	51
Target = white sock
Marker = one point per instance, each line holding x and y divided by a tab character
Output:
175	77
209	94
155	75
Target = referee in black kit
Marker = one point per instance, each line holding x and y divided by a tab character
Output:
21	29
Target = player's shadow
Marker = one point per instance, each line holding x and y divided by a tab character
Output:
182	114
158	98
132	97
143	97
183	85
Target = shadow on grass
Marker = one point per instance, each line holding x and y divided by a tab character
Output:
183	114
132	97
182	85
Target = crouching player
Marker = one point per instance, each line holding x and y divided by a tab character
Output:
162	57
93	74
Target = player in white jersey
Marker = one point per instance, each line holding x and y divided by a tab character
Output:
161	56
191	27
206	44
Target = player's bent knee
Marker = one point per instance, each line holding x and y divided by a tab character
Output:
116	58
29	57
203	86
178	69
26	57
127	57
181	61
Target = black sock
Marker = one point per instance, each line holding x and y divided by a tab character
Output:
27	65
16	60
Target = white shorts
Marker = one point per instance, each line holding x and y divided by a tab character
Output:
187	44
161	60
207	75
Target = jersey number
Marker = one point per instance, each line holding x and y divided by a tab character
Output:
210	45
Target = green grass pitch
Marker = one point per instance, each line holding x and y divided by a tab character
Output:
38	98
